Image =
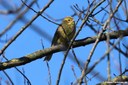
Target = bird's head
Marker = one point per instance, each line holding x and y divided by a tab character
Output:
68	20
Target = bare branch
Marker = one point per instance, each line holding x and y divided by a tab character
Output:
41	53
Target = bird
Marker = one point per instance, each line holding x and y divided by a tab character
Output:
64	33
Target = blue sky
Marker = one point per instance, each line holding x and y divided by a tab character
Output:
30	41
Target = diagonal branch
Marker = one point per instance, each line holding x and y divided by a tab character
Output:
25	27
42	53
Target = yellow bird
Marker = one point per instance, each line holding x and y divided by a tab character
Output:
63	34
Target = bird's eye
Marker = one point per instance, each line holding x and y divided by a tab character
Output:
69	20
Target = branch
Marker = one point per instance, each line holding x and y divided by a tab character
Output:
42	53
117	80
25	27
113	35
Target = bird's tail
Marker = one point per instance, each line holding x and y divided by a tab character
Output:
48	57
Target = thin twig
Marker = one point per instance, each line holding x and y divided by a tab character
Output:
49	74
8	77
25	27
77	61
108	58
120	63
16	19
40	14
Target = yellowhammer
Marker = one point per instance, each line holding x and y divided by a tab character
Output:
63	34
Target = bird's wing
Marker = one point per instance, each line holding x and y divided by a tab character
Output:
56	37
